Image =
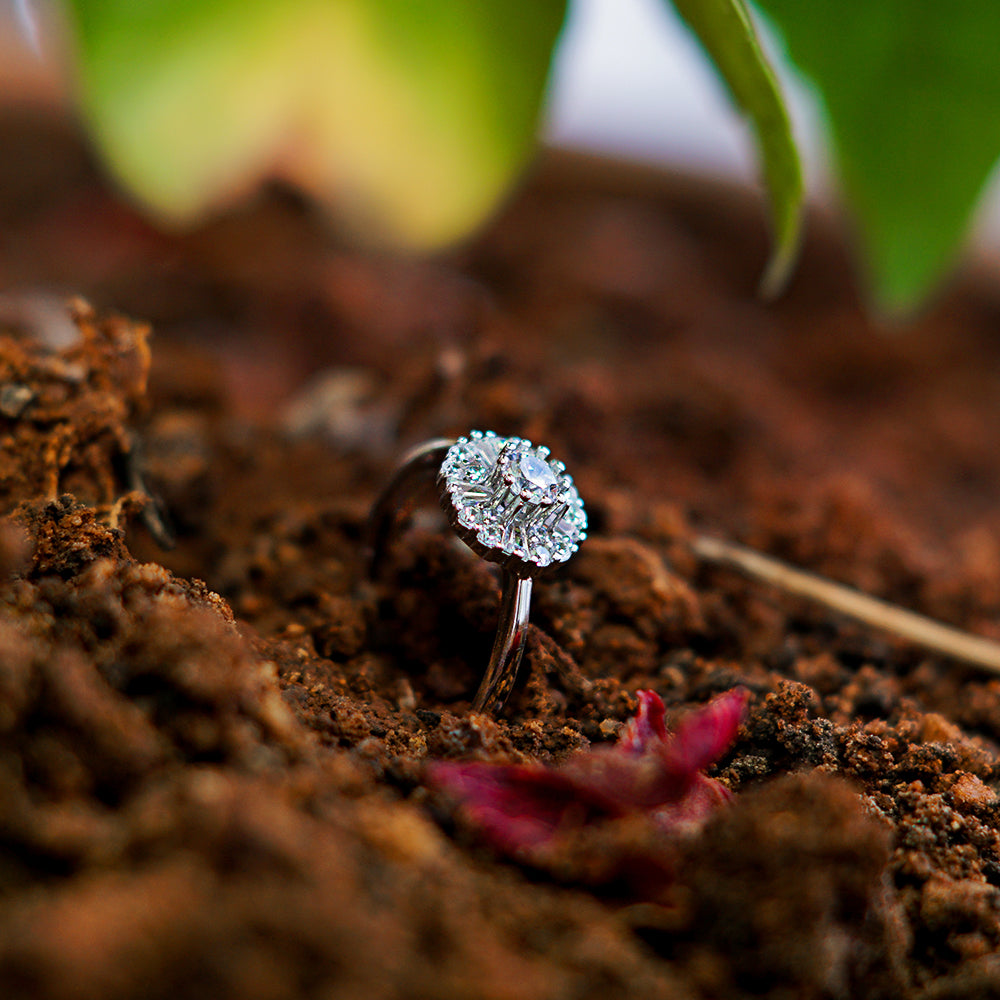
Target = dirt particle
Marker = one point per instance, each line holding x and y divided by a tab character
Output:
971	794
937	729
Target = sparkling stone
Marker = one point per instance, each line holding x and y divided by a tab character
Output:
536	472
516	501
529	474
491	536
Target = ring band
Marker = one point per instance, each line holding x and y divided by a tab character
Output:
512	505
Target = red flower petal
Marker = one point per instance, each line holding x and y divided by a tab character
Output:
523	809
648	725
705	735
517	807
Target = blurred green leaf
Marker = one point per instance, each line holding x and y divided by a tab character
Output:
726	31
411	117
912	89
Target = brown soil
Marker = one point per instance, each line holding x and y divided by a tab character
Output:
216	789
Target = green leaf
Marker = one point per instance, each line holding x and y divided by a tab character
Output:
912	90
726	30
410	117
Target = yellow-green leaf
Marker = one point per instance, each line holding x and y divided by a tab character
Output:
409	117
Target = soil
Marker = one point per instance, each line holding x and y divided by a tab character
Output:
212	756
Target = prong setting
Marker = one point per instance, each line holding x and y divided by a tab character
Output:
510	503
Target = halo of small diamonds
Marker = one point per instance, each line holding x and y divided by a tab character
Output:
511	502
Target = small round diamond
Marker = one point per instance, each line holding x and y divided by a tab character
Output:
513	501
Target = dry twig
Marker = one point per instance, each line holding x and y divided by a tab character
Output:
918	629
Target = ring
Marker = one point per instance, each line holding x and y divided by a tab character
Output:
511	504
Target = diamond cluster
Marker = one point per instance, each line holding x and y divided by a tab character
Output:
513	499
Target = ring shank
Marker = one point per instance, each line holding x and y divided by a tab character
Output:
508	647
418	468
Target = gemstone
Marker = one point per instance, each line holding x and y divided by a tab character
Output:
537	472
512	500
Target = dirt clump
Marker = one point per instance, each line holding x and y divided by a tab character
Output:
213	757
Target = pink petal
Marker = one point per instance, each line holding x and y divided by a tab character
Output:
647	727
705	735
515	807
688	814
648	768
521	810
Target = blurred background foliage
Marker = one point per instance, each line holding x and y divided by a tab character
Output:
911	95
412	118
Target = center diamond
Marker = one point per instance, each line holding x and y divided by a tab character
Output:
510	502
536	476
